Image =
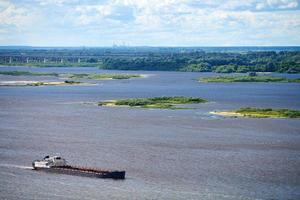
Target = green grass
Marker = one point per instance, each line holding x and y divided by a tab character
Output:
157	102
104	76
231	79
26	73
268	113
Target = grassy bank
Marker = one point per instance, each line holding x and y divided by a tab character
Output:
261	113
157	102
231	79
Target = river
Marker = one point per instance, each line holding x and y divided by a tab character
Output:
167	154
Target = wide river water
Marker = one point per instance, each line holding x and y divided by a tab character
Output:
167	154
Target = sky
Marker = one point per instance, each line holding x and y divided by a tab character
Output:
150	22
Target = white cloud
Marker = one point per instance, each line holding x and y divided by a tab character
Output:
55	2
283	3
277	4
13	15
182	21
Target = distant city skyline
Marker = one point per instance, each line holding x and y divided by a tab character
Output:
75	23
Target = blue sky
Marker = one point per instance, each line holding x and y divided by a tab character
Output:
149	22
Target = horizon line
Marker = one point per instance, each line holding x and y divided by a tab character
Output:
149	46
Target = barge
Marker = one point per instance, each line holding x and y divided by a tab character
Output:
56	164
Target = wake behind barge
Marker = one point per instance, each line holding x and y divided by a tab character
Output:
56	164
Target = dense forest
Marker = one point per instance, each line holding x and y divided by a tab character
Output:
222	60
210	62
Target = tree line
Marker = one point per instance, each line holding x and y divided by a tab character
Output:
234	59
288	62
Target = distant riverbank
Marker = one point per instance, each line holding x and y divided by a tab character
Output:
186	59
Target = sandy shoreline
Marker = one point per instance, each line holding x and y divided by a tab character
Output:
111	103
227	113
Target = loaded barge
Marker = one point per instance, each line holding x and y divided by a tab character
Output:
56	164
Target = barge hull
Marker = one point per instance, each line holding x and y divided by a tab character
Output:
75	172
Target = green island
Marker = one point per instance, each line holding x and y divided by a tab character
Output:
232	79
261	113
26	73
156	102
95	76
40	83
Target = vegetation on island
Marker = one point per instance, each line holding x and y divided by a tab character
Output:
260	113
268	113
231	79
103	76
156	102
40	83
26	73
94	76
197	59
